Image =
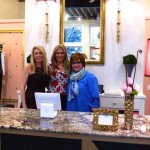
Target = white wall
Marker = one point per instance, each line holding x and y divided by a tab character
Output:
35	25
112	74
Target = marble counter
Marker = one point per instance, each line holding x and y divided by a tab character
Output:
76	125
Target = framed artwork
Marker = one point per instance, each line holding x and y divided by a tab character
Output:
94	53
94	34
73	39
73	34
105	119
71	50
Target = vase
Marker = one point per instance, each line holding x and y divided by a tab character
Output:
129	68
128	112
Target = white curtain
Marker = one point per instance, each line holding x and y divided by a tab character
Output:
35	25
132	18
132	30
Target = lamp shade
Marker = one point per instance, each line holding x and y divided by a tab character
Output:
147	59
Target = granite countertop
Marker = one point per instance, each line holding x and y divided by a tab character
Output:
67	122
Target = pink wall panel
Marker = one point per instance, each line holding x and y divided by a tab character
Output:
147	79
12	38
13	50
11	24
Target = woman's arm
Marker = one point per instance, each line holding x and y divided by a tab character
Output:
49	78
24	79
94	92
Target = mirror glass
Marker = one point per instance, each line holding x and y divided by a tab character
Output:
82	28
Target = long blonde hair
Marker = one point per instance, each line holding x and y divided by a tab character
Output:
44	63
65	61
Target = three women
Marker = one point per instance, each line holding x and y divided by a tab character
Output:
82	89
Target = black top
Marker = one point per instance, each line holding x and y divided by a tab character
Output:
36	83
1	70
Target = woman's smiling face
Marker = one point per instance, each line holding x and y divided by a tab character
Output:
60	55
76	65
38	56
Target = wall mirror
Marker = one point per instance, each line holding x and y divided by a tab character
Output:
82	28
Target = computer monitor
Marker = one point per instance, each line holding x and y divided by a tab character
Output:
51	98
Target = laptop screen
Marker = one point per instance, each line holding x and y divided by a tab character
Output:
51	98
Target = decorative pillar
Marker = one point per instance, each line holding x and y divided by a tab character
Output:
118	22
46	20
46	24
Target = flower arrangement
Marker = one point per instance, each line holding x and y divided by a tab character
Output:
130	88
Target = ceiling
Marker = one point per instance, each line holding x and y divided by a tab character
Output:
85	13
85	9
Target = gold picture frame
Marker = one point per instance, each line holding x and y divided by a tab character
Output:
105	119
101	20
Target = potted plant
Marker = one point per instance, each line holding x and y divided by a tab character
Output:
129	61
130	89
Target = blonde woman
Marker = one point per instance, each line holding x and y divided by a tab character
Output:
34	77
59	70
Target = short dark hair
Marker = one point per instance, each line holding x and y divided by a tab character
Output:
76	57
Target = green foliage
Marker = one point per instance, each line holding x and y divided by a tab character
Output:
1	47
28	59
129	59
134	92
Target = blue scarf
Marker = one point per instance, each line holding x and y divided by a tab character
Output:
74	77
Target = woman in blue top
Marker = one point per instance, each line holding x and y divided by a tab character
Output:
82	88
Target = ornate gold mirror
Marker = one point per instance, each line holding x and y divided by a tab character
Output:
82	28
